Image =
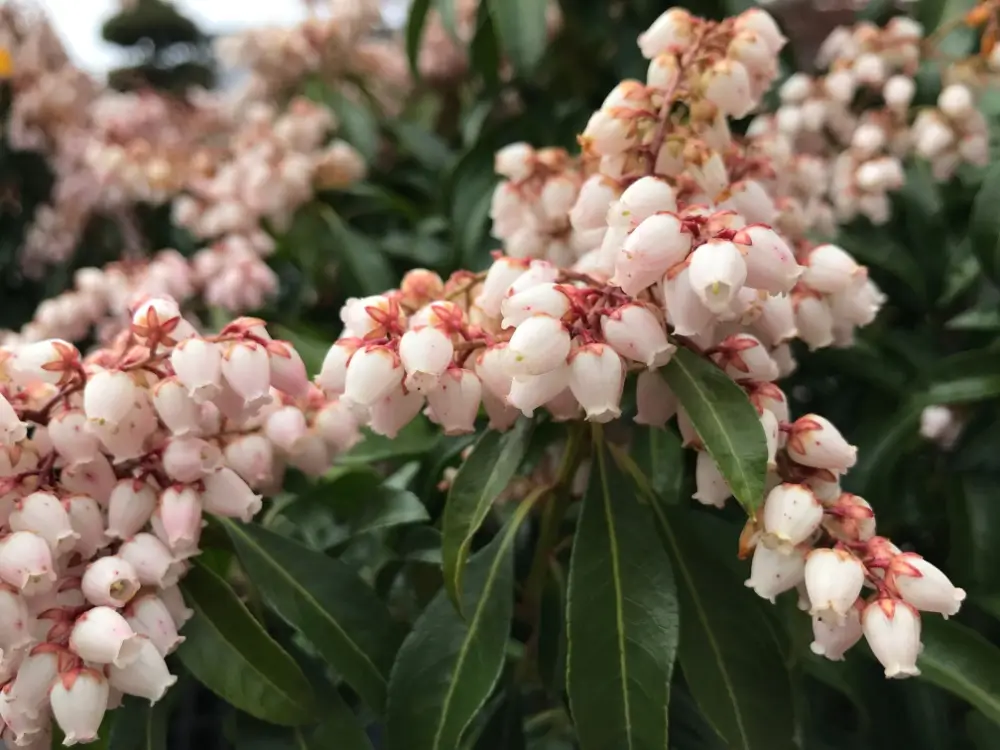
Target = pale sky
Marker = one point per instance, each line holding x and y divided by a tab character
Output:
78	22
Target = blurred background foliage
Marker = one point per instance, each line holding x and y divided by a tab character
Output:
425	203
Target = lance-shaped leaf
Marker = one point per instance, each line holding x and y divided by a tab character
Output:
622	618
230	653
962	662
326	601
483	476
139	725
984	231
725	420
522	29
448	665
729	656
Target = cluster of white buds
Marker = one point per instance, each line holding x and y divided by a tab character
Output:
108	465
343	44
838	140
531	208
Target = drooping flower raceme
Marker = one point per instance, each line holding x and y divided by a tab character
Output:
109	464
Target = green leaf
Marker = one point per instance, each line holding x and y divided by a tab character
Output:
415	22
962	662
356	124
326	601
622	618
974	514
730	658
448	666
660	456
505	728
230	653
416	439
339	729
984	229
975	320
522	29
726	422
480	480
446	9
369	268
139	726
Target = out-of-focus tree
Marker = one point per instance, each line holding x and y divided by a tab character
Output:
168	50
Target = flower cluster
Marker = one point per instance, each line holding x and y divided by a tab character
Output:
670	232
839	138
108	465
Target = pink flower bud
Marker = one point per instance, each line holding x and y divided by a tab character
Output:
425	355
12	429
252	457
859	304
540	344
641	200
198	365
743	358
87	520
830	269
814	441
763	23
174	601
711	486
892	628
152	561
26	563
454	404
591	207
515	161
656	404
394	411
502	416
596	380
47	361
333	373
924	585
23	729
539	272
14	620
146	677
774	572
177	521
37	673
671	32
898	92
108	397
373	373
791	515
542	299
246	367
657	244
634	332
179	412
727	86
311	455
833	635
226	494
814	321
776	322
834	578
188	459
110	581
607	134
70	437
686	313
286	428
130	506
101	635
79	699
149	616
557	196
287	370
43	514
770	263
492	370
717	273
663	72
337	426
528	392
851	517
504	272
94	477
